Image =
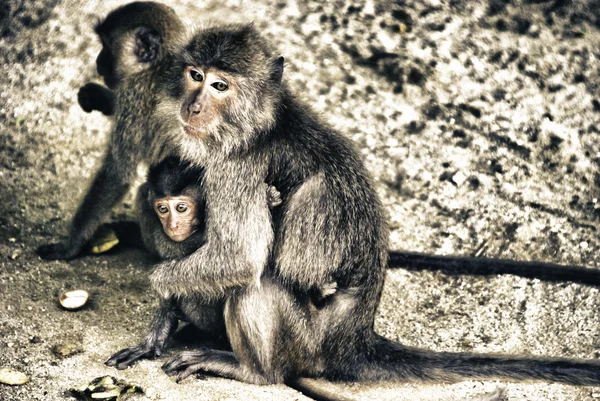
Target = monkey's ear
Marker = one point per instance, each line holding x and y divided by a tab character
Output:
147	45
277	70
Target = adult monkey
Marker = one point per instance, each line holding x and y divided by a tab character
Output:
233	115
135	38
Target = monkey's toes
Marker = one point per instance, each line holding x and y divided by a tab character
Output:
129	356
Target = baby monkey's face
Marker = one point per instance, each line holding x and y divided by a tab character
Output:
177	215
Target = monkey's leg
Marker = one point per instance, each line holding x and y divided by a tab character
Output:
206	317
161	331
92	96
109	186
270	335
216	362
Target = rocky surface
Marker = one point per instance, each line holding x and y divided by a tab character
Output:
480	121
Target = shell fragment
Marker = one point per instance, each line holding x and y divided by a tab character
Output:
13	377
74	299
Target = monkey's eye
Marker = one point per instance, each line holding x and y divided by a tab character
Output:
197	75
162	209
182	207
220	86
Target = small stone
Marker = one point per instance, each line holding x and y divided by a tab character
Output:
66	350
72	300
583	245
13	377
15	254
459	178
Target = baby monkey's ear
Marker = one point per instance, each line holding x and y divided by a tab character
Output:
277	70
147	44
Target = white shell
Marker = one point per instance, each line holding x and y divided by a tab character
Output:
74	299
12	377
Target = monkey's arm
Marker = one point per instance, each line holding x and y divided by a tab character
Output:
161	331
239	237
109	186
92	96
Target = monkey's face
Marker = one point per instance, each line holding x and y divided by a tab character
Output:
207	96
105	65
177	215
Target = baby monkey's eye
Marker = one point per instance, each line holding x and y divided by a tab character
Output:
182	207
197	75
162	209
220	86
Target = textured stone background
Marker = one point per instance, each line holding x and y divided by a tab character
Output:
478	119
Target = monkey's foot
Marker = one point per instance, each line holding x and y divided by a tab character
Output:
59	251
215	362
129	356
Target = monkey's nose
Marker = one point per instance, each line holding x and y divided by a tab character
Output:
194	108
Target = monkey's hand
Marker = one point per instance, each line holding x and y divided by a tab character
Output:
92	96
129	356
59	251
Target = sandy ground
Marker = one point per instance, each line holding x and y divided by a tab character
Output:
479	120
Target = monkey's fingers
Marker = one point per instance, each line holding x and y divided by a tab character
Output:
129	356
85	98
59	251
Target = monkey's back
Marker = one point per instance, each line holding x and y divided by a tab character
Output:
332	225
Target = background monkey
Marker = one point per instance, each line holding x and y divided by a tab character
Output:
235	117
135	37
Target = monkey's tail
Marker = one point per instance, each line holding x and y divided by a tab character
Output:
387	360
454	265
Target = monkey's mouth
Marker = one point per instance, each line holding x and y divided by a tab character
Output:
191	130
181	237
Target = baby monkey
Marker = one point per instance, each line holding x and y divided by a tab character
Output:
172	208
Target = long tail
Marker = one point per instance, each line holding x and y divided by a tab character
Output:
387	360
485	266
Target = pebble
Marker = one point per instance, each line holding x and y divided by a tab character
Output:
459	178
65	350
